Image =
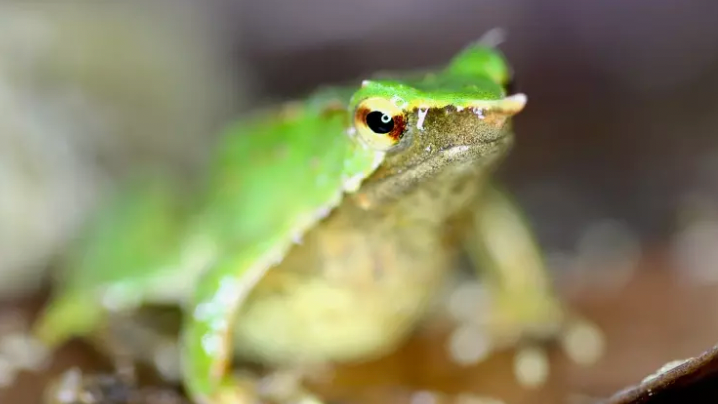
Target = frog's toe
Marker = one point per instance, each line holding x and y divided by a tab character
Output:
237	390
76	387
285	388
276	388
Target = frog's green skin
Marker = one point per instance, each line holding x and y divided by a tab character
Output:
317	239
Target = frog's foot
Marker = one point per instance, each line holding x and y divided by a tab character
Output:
148	337
280	387
76	387
19	349
523	322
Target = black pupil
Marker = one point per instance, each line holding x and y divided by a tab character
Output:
379	122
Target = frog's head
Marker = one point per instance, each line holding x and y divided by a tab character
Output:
454	119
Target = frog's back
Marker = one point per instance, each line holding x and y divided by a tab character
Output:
274	174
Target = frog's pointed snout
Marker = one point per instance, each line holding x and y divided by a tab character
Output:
500	109
493	37
511	105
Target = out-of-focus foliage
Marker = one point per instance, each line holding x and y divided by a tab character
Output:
89	90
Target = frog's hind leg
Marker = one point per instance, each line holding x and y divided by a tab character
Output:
520	306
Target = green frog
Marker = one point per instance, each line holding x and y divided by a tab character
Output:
323	232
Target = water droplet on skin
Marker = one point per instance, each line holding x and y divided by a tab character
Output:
203	311
297	238
323	212
211	344
227	291
352	184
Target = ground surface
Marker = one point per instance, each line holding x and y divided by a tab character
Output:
652	320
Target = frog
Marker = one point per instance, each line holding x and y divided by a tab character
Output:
322	233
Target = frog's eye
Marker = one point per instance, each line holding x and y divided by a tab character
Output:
379	122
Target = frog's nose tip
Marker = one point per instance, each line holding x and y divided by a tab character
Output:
515	103
493	37
508	106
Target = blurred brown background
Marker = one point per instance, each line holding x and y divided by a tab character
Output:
615	162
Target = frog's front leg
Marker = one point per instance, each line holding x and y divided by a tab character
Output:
206	341
522	307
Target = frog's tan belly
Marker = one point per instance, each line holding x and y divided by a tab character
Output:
352	291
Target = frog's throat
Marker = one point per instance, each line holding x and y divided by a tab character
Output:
457	159
462	156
